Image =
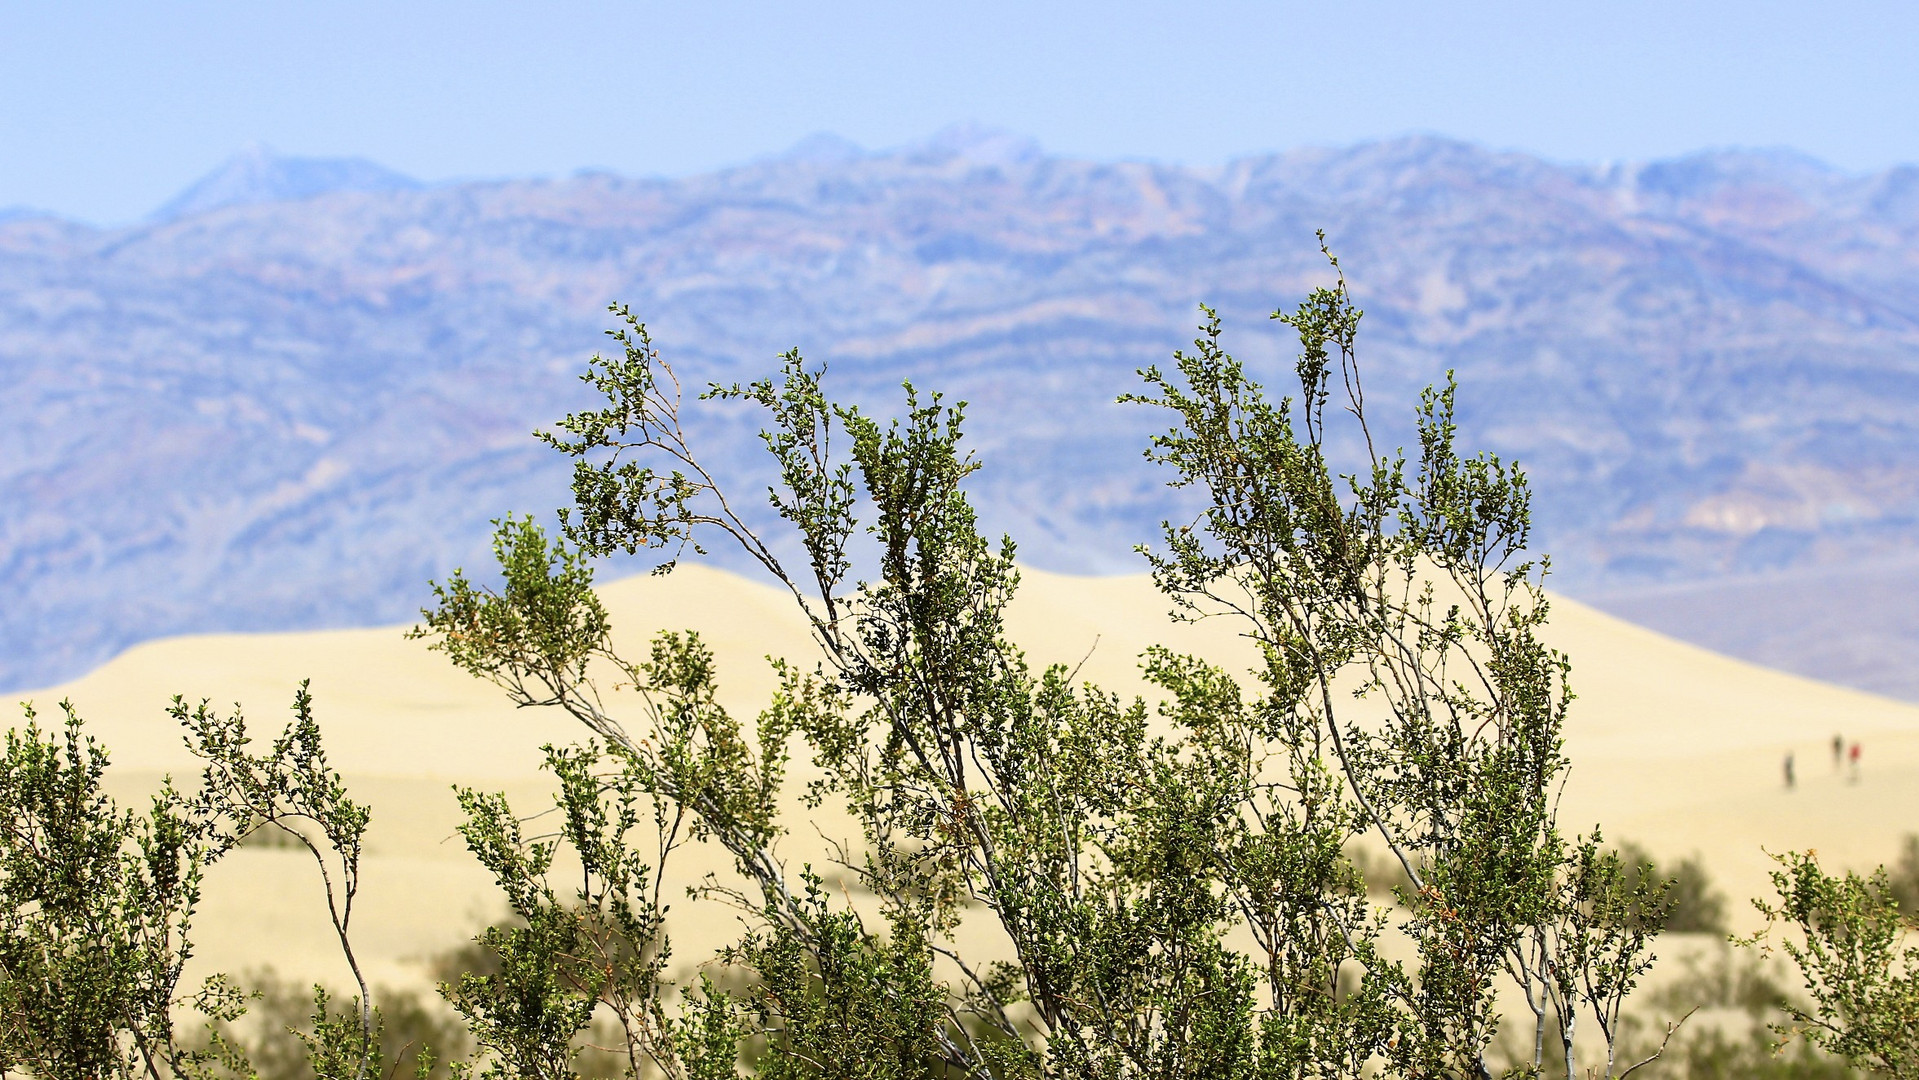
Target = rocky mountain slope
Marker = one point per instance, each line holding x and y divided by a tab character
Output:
286	407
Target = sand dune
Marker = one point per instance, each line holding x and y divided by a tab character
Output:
1672	746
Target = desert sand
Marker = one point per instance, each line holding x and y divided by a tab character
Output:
1672	746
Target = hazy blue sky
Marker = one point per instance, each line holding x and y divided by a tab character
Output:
106	109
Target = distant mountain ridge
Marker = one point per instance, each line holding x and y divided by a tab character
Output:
285	404
258	175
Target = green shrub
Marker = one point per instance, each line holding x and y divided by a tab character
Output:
1850	942
1111	847
1696	907
1165	890
97	903
1902	879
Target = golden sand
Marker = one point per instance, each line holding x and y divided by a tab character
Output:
1672	746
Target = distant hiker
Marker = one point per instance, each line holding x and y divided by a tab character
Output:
1789	770
1838	751
1853	755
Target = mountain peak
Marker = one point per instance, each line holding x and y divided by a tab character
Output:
258	175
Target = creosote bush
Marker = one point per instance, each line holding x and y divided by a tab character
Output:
1902	879
1851	944
1042	878
1166	883
1694	905
97	903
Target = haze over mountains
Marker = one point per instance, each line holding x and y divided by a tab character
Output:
302	388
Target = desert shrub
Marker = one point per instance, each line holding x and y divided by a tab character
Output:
1723	979
1403	694
418	1035
1116	853
1902	879
1749	1053
531	997
1695	905
95	907
1849	942
97	903
421	1035
1735	1000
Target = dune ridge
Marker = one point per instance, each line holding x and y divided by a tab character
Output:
1672	746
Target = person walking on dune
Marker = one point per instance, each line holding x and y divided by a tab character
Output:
1853	756
1789	776
1838	751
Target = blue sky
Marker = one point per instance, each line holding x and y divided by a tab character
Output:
108	108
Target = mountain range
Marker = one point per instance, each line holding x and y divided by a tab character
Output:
302	388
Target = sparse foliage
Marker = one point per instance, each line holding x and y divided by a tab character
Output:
1041	878
417	1031
563	957
1902	879
1850	943
1693	905
1118	850
291	791
97	903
